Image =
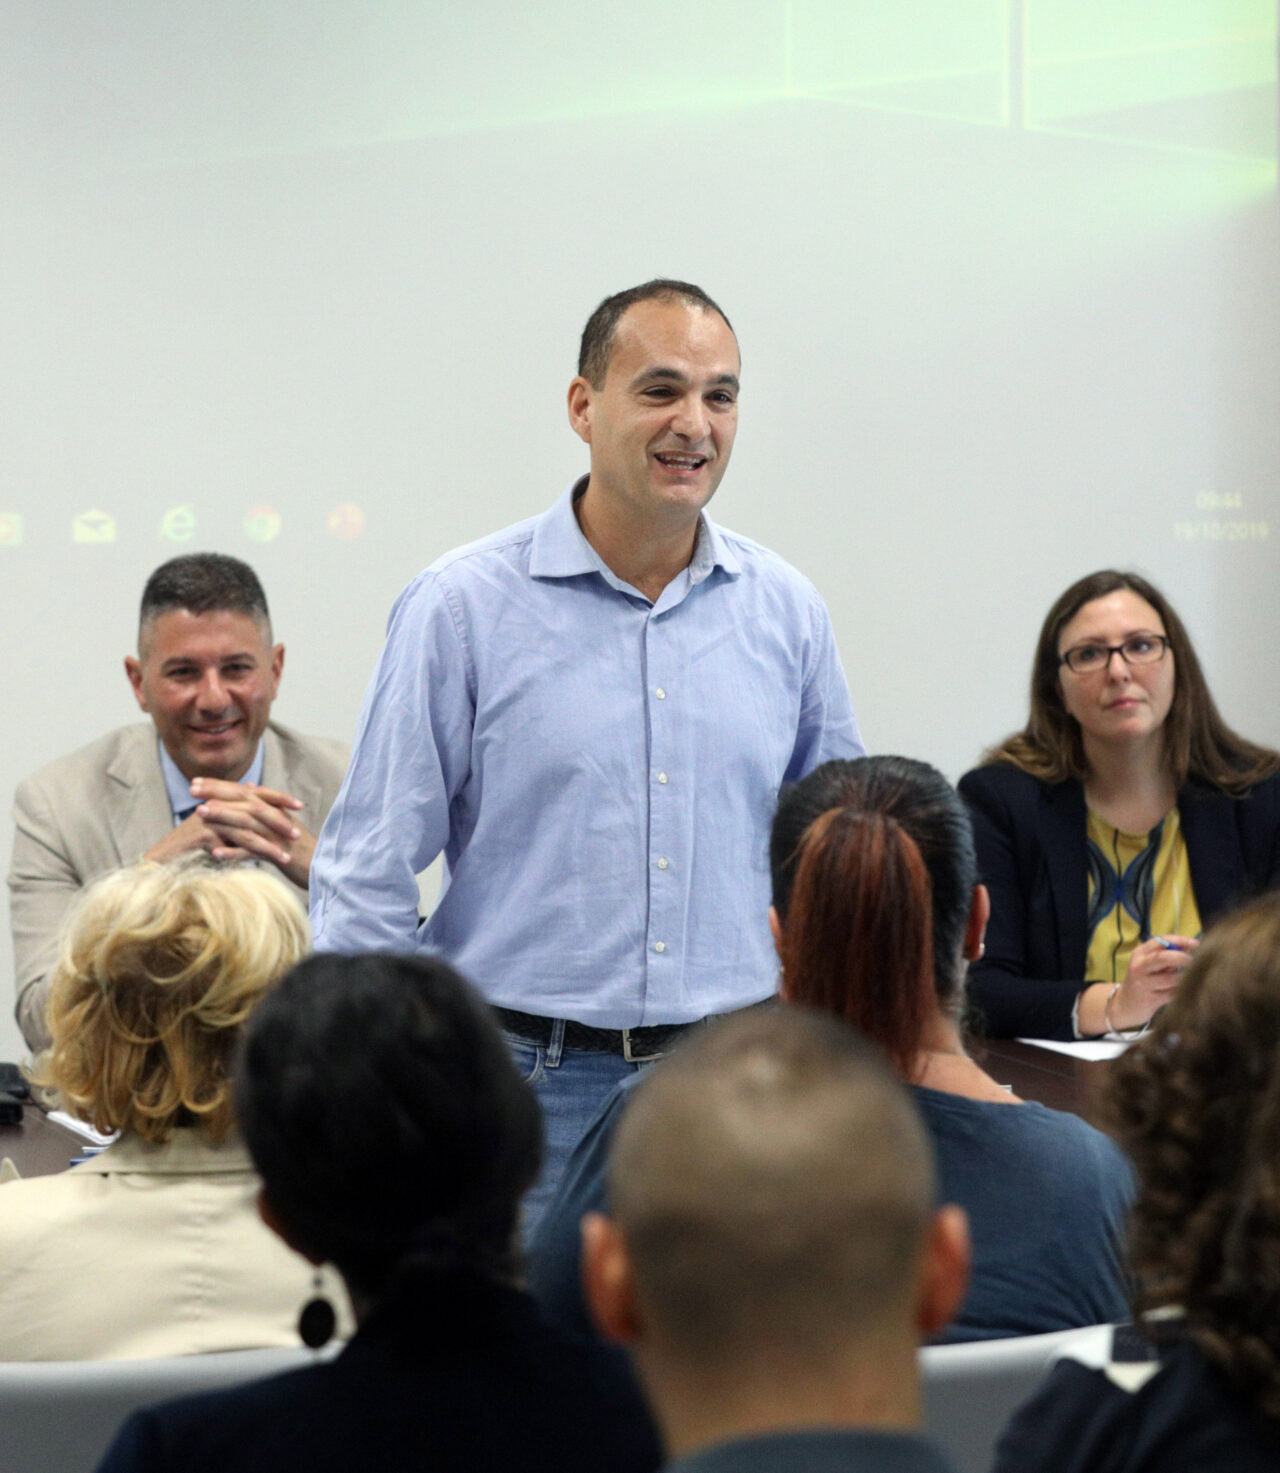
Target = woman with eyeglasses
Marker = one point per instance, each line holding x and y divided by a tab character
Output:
1121	819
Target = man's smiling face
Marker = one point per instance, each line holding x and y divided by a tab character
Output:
207	681
662	424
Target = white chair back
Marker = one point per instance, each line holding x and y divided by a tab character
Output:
970	1391
60	1416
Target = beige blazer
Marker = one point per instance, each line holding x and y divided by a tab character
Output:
104	806
147	1251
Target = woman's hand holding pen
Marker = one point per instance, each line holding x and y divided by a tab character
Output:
1152	977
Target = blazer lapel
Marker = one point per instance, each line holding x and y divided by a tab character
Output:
294	780
136	803
1214	856
1063	824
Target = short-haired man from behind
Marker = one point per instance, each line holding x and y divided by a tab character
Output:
774	1258
210	770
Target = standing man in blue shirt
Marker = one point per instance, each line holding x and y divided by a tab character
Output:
591	713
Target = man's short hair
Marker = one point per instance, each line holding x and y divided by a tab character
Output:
602	325
205	583
774	1184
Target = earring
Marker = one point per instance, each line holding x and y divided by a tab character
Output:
317	1321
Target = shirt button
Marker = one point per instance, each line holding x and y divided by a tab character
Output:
662	864
662	777
659	946
660	693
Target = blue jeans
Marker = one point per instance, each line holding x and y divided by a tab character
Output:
571	1085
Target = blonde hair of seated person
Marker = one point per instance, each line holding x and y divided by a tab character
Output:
159	968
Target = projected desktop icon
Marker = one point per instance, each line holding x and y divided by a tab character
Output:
346	522
179	523
93	526
262	523
10	528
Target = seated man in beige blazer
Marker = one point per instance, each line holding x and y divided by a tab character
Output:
210	770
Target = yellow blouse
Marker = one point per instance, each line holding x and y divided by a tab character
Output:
1139	887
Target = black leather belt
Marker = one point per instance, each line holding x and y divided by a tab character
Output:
636	1045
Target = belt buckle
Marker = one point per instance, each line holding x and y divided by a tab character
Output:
636	1058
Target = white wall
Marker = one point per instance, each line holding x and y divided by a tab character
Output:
1004	278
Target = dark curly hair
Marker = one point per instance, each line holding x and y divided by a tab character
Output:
1196	1103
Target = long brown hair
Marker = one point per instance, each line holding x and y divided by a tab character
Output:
1196	1103
873	877
1198	742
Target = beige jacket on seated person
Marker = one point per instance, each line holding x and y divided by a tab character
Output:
148	1251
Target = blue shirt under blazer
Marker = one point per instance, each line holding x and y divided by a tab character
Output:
1032	856
600	771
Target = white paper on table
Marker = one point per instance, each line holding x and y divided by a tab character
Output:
87	1132
1092	1049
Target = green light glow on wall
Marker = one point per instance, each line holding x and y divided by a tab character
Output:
1186	76
1199	75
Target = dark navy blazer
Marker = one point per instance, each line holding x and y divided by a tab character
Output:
1030	837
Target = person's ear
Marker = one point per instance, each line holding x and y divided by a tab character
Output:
580	392
269	1215
133	669
944	1270
976	926
277	669
607	1279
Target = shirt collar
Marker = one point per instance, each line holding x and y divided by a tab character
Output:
187	1151
178	785
561	551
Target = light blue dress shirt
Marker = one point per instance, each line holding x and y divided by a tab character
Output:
178	784
600	771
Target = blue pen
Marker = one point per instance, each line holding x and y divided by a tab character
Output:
1168	945
89	1152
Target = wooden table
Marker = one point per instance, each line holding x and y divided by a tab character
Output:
1053	1079
39	1147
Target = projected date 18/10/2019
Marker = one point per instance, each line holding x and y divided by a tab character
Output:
1202	531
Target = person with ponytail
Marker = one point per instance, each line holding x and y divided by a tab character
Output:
877	910
395	1138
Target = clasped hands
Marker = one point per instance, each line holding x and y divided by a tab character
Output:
236	821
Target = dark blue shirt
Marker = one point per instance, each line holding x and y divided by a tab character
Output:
1046	1195
825	1450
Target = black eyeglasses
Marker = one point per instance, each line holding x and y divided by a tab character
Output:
1138	649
